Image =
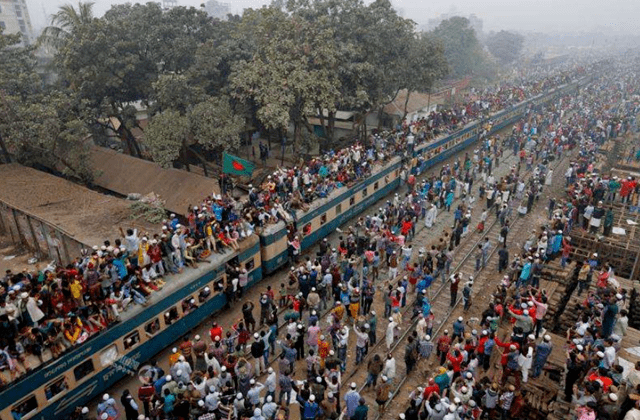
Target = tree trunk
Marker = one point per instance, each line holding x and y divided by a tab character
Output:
201	158
184	156
380	111
406	103
5	152
331	126
130	139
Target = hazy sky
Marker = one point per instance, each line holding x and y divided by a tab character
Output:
619	16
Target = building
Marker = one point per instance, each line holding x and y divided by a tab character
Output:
217	10
169	4
14	18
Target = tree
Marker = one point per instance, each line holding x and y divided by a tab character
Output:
114	61
166	136
371	43
173	91
505	46
216	57
460	44
214	125
48	132
65	24
427	64
292	71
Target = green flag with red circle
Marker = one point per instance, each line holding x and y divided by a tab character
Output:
233	165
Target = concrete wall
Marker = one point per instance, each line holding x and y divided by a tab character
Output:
43	239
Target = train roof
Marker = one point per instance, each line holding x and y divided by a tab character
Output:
182	285
317	204
175	282
82	214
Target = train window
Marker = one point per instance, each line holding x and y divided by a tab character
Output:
352	201
249	265
55	388
83	369
323	219
131	340
204	294
189	305
306	230
376	186
152	327
397	173
108	356
338	209
25	407
171	315
364	193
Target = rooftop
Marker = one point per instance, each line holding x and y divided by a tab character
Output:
82	214
125	174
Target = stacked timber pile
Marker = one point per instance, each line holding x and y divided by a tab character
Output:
544	394
555	280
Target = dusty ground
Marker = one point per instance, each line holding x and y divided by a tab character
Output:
12	257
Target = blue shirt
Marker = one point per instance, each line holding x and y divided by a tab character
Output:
352	400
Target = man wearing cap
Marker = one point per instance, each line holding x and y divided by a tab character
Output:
543	350
453	288
352	400
253	394
269	408
458	329
257	351
523	321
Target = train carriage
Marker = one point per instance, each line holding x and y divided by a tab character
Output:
326	214
59	386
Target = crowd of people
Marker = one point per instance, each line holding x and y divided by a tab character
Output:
51	309
218	376
593	380
289	189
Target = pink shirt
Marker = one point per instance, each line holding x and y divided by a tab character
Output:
541	309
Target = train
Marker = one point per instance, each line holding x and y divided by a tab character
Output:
57	387
343	204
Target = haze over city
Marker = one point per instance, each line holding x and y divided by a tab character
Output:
617	16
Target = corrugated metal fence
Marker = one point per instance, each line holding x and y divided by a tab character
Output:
43	239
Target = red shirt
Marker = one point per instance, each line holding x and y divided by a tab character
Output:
455	362
480	348
606	382
215	332
429	390
406	227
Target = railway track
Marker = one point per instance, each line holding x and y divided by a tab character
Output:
484	283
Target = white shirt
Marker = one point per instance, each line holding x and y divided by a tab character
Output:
390	368
609	357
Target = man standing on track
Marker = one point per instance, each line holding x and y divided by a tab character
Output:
453	288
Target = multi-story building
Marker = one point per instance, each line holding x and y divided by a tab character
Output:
14	18
217	10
